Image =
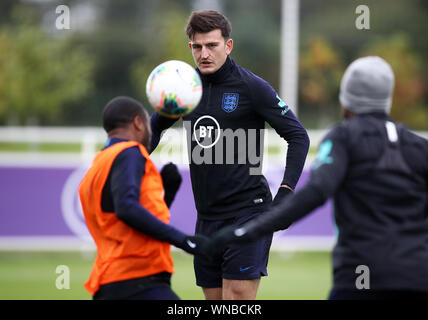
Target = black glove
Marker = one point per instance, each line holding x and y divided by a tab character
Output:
196	244
281	195
171	178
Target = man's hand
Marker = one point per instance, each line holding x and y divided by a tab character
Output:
171	178
283	192
219	240
197	244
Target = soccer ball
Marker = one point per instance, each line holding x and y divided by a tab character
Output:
174	88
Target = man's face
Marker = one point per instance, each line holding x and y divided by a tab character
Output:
210	50
147	139
143	130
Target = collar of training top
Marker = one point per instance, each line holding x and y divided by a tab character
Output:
376	114
220	74
112	141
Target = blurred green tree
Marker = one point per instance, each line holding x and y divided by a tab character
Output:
334	21
38	74
410	86
114	54
320	71
256	32
169	43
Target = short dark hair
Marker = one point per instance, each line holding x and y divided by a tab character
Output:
120	112
208	20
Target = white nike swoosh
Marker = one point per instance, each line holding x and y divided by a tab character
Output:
191	244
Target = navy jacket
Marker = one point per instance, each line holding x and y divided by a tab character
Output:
225	142
380	193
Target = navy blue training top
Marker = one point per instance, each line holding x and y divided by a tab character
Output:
121	195
225	142
380	193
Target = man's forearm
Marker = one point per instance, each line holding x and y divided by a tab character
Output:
298	147
158	124
137	217
292	209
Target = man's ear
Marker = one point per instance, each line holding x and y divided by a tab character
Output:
229	46
138	123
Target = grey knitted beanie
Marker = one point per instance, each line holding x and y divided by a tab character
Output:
367	86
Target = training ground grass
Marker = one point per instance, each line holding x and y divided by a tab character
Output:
32	275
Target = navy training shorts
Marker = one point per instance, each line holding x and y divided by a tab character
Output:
244	261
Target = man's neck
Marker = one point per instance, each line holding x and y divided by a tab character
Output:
122	134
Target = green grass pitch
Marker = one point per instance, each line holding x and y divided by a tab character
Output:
32	275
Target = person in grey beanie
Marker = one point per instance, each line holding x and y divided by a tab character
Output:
367	86
376	170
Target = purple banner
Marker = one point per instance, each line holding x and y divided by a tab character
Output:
44	202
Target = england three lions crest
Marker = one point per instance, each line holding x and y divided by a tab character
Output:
230	101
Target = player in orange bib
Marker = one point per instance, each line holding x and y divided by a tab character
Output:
126	210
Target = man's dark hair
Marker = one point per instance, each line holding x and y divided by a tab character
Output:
208	20
120	112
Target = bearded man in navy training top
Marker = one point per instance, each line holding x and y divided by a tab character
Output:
225	147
